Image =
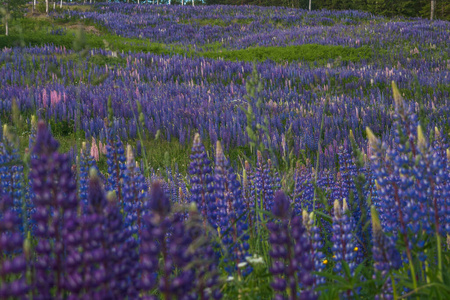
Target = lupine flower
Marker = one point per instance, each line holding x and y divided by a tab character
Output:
317	245
292	264
429	174
303	189
134	192
11	175
202	181
386	257
167	236
94	150
231	208
122	256
56	209
85	254
207	279
86	162
94	259
264	183
13	265
344	246
115	158
102	148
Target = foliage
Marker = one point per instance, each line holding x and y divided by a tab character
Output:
314	53
11	9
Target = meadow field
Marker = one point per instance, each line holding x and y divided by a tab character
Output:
224	152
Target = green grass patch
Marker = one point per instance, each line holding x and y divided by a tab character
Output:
318	53
116	43
35	32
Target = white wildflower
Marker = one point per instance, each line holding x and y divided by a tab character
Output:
255	259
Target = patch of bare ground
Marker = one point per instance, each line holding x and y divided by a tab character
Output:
87	28
37	15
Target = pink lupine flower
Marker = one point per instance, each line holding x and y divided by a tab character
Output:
102	148
55	97
94	150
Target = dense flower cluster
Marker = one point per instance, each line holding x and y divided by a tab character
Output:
291	248
361	213
240	27
181	95
13	265
89	244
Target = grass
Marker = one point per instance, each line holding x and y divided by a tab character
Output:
308	52
160	153
35	32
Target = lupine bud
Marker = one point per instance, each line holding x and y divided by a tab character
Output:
281	207
159	203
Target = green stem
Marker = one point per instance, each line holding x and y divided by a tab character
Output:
144	154
317	159
439	248
413	271
427	268
394	289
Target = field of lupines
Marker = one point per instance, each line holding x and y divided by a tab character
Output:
339	184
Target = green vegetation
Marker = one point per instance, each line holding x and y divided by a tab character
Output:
11	9
35	32
318	53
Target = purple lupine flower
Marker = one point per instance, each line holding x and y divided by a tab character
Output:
122	254
159	202
281	208
238	207
13	263
263	182
303	189
316	246
439	149
115	159
138	148
292	264
344	245
154	243
429	174
398	172
386	257
11	176
202	181
204	262
87	263
446	195
86	163
166	236
231	208
134	193
56	205
223	199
